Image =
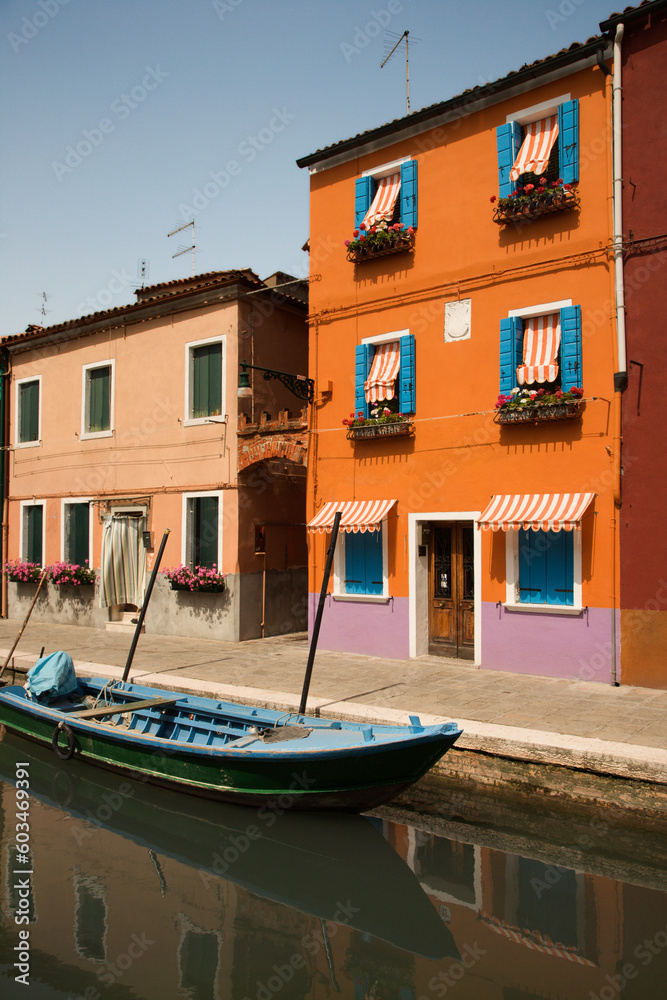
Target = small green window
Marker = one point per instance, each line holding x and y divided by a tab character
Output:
33	521
202	532
98	399
206	381
77	533
28	417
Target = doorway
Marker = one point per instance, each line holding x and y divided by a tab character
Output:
451	619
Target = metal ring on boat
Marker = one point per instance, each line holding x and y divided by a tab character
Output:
60	752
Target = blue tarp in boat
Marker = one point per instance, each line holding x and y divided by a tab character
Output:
52	677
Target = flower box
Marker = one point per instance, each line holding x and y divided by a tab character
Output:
535	207
210	588
400	244
536	414
394	428
199	579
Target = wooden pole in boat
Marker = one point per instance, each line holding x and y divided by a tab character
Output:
320	609
18	637
144	606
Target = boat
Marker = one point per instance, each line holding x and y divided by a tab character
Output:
235	753
310	862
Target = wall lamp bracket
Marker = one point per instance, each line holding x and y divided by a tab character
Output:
299	385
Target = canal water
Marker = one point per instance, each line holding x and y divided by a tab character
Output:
113	889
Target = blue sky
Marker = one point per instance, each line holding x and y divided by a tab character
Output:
123	119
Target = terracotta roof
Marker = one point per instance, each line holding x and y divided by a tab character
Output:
642	10
528	71
151	294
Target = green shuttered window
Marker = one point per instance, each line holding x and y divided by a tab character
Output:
77	533
206	381
98	400
202	531
33	522
28	417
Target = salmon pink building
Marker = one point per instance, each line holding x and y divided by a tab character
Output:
127	423
468	325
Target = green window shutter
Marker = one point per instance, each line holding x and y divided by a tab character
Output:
206	380
77	539
99	399
34	517
202	528
28	411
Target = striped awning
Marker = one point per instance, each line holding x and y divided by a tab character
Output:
538	511
535	941
382	206
541	340
536	147
384	369
358	515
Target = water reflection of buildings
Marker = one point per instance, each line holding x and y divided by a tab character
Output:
135	908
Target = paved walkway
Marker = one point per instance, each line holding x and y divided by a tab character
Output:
570	722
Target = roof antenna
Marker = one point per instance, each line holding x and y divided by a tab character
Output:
143	270
407	70
44	310
182	250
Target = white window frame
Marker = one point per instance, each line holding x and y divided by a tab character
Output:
189	421
184	522
538	111
17	409
512	593
339	593
22	543
85	433
385	169
543	309
68	503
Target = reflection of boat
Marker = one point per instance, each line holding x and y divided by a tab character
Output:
232	752
336	866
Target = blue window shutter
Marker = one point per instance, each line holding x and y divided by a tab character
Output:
409	193
373	561
532	567
546	567
363	196
570	348
363	355
568	141
355	571
508	140
511	344
560	567
406	375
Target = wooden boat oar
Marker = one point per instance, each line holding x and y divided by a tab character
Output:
144	606
18	637
320	609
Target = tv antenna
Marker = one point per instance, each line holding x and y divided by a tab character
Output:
43	308
182	250
143	270
407	68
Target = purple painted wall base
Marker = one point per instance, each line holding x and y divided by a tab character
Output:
527	642
368	629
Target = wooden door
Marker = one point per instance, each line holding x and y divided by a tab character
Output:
451	590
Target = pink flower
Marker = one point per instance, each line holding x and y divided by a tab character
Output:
529	187
543	181
347	243
410	230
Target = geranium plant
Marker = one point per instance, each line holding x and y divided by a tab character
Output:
382	234
199	578
519	398
73	573
378	415
530	194
23	572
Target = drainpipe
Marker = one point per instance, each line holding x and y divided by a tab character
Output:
621	374
4	452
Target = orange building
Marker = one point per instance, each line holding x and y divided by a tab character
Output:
127	422
478	262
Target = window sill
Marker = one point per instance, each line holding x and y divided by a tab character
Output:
93	435
545	609
215	418
362	598
401	244
27	444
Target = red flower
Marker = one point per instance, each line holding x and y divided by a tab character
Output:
559	181
363	226
554	184
373	229
346	422
567	187
540	392
529	187
543	181
360	413
558	394
410	230
347	243
352	415
362	237
356	232
492	198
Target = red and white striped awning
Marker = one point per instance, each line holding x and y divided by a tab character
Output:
358	515
539	511
384	369
535	941
536	147
541	340
382	206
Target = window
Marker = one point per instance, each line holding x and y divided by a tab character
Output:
32	532
90	917
554	361
404	209
76	532
400	395
203	530
204	380
28	411
98	400
360	565
544	568
528	140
